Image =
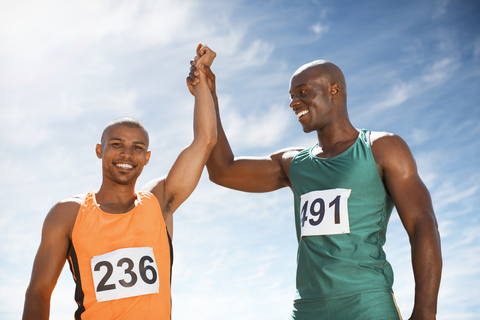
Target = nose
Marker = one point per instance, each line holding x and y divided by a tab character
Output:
294	103
126	152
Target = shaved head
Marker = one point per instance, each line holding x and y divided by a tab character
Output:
128	122
325	70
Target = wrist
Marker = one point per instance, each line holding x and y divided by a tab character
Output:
423	313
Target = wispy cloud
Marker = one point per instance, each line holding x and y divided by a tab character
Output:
255	129
432	76
440	9
320	28
476	48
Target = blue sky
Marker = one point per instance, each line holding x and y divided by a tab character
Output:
68	68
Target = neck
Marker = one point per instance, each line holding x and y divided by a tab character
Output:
116	198
336	138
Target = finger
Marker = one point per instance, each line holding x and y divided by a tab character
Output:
192	80
204	49
207	57
193	76
194	70
190	85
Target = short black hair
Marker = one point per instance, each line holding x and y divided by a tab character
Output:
127	122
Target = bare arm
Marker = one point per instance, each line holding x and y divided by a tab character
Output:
260	174
250	174
415	209
185	173
50	259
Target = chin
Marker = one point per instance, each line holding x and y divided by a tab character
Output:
125	179
123	182
307	129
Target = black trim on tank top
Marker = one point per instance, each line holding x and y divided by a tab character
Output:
79	295
171	254
171	264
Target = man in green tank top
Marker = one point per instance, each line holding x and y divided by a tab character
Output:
344	188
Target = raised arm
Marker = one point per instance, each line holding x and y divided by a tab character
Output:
414	206
50	259
185	173
250	174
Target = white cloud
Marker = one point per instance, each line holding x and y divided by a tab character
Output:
51	35
320	28
397	95
261	128
439	72
256	53
419	136
449	193
433	75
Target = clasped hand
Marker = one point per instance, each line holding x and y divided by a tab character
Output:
202	61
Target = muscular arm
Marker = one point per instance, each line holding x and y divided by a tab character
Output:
415	209
185	173
50	259
250	174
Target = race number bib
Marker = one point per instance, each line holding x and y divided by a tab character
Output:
125	273
324	212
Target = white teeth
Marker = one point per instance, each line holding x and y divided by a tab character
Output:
302	113
124	165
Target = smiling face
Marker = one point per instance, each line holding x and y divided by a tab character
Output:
309	99
124	153
317	95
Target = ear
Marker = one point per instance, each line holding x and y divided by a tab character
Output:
334	90
98	150
149	153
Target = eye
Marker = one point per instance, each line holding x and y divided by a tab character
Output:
116	144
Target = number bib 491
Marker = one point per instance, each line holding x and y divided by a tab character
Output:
324	212
125	273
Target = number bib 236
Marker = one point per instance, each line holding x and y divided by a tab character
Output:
125	273
324	212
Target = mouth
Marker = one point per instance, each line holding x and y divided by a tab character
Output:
301	114
124	165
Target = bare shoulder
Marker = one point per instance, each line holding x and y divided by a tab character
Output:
69	206
286	155
391	151
383	136
386	142
63	214
289	152
157	188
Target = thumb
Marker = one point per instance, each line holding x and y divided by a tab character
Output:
203	68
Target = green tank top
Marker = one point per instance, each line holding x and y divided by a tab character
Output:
342	208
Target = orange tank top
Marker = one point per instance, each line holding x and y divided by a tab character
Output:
121	263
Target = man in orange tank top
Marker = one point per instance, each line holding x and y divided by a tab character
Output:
117	240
